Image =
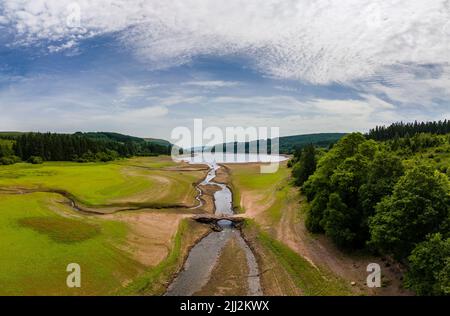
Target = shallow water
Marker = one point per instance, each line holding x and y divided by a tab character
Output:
204	255
215	158
199	264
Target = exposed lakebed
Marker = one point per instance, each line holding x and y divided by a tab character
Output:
204	256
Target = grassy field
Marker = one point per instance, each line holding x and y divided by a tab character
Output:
38	244
41	235
96	184
267	190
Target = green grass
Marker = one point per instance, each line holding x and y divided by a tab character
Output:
150	162
91	183
274	186
61	229
311	280
282	197
251	179
34	256
97	184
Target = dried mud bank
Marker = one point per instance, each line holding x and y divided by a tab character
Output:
214	265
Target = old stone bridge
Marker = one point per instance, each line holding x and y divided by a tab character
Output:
213	219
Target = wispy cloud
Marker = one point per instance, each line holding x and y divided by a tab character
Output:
317	41
211	83
129	90
391	57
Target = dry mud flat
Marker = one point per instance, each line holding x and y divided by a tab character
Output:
214	266
229	273
150	235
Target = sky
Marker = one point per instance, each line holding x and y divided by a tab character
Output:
145	67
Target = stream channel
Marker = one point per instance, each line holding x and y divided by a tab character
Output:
203	257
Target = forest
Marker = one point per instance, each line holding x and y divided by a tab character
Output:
402	129
79	147
387	192
286	144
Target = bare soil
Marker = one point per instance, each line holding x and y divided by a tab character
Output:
229	273
150	235
317	249
208	198
222	175
275	280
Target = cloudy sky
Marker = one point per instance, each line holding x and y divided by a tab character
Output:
145	67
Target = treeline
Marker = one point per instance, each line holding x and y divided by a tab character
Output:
135	146
291	144
38	147
7	156
286	144
401	129
387	198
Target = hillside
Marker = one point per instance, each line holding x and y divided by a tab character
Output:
158	141
80	147
288	144
386	196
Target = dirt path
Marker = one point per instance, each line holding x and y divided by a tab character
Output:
289	230
316	249
275	280
320	251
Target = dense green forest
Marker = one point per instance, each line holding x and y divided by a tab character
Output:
391	197
401	129
80	147
290	144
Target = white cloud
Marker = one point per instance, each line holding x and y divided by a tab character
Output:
415	86
369	106
211	83
132	116
65	46
319	41
175	100
131	90
396	50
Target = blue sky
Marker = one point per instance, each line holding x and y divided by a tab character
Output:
146	67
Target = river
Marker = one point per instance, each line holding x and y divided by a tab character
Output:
204	255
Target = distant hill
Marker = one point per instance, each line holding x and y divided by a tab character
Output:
288	144
10	135
158	141
109	136
80	147
105	136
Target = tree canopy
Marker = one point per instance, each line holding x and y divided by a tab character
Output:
390	196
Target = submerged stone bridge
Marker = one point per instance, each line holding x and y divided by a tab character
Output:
213	219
